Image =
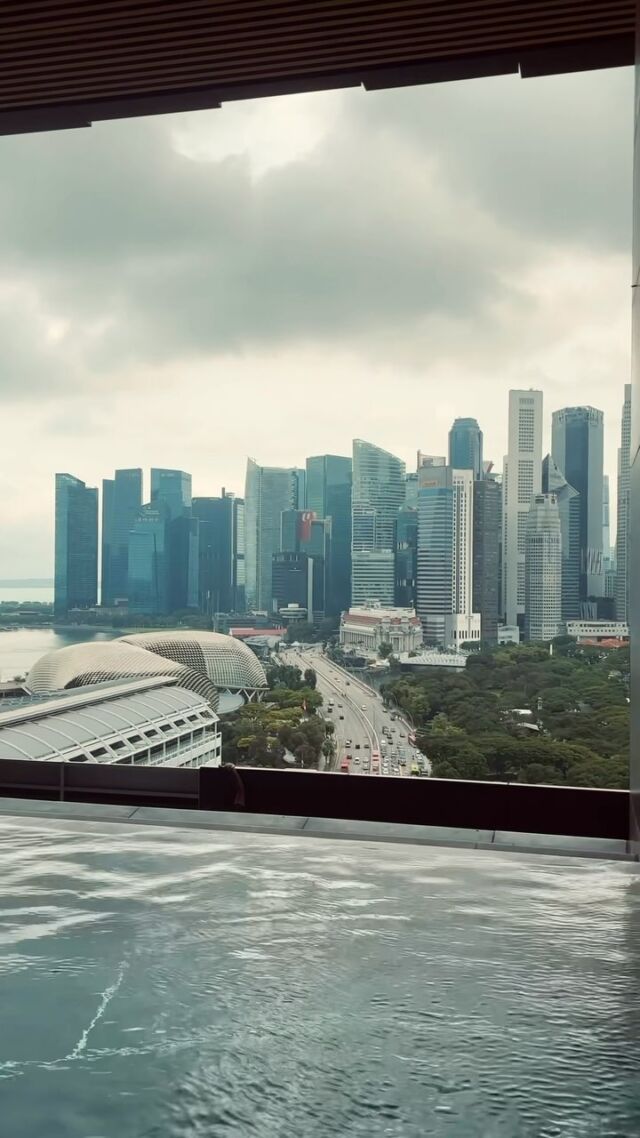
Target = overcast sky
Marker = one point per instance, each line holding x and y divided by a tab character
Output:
276	277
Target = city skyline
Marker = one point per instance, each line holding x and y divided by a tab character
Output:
429	283
148	492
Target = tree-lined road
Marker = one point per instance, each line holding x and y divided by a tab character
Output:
358	715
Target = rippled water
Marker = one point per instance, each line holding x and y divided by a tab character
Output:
166	984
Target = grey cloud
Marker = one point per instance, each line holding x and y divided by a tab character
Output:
29	363
417	205
553	154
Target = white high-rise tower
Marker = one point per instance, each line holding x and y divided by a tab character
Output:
522	478
445	556
543	569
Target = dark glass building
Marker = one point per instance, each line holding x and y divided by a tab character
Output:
221	553
487	526
305	553
121	501
568	500
171	493
76	544
173	488
148	569
329	479
465	446
577	450
406	557
291	583
183	550
268	491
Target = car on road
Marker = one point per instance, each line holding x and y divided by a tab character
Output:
358	746
363	706
402	736
342	716
347	682
347	742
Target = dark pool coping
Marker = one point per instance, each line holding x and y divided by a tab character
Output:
334	828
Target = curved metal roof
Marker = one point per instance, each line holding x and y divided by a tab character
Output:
229	663
56	730
100	660
66	62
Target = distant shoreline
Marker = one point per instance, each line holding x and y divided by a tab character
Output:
26	583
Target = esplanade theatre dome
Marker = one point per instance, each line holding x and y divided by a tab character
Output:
98	661
203	662
226	661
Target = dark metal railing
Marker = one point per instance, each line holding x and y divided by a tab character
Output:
574	811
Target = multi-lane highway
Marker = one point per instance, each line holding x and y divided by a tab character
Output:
359	718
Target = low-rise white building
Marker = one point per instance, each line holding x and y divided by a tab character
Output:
432	658
597	629
368	626
508	634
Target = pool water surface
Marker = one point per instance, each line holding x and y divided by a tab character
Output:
166	983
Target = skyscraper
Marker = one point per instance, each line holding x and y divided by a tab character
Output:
465	446
487	523
378	494
577	450
269	490
171	493
301	567
76	544
622	536
173	488
521	479
407	556
568	501
329	478
121	500
184	557
445	556
148	586
606	521
221	553
543	569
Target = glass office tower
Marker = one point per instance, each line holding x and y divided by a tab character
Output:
173	487
148	573
221	553
568	502
171	492
406	556
269	491
329	478
76	544
121	501
465	446
378	494
577	449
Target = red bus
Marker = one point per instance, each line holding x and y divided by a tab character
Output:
344	765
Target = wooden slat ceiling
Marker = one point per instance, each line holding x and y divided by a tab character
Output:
67	62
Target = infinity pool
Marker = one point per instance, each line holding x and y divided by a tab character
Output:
157	983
